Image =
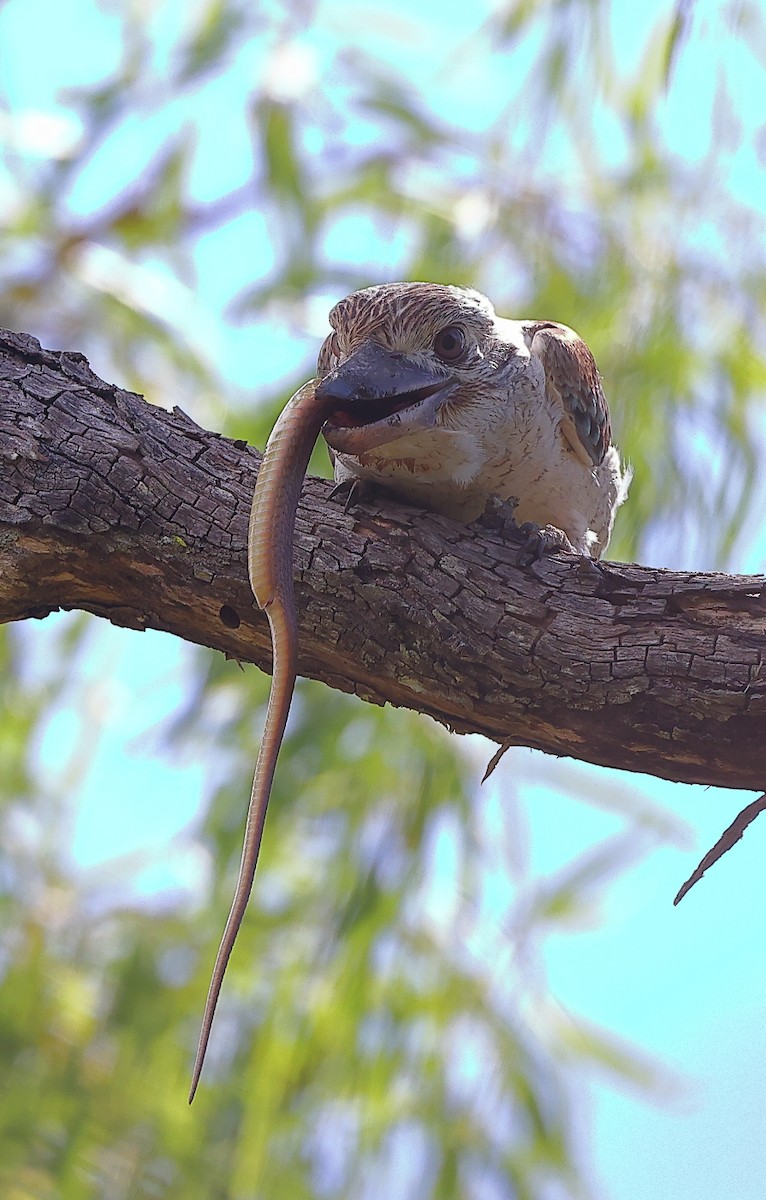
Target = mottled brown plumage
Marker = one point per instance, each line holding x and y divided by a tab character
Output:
519	413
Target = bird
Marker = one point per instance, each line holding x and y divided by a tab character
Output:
422	390
445	405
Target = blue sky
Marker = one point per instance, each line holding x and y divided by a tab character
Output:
687	986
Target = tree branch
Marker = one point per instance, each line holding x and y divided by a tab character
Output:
111	505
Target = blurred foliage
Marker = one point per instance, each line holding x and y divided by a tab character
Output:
209	179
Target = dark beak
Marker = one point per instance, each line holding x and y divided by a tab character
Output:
375	386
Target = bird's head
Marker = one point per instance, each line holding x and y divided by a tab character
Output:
407	357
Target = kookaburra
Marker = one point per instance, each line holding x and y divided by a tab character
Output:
424	390
446	405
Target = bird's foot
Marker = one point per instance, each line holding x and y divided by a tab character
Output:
352	491
537	540
540	540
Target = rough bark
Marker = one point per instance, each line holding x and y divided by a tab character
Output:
112	505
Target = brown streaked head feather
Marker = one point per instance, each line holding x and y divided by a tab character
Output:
401	316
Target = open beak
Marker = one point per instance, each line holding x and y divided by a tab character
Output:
381	395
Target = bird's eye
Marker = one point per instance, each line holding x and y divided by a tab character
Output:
450	343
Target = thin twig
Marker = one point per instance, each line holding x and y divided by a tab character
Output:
724	843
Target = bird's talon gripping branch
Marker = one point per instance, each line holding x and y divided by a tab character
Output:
352	492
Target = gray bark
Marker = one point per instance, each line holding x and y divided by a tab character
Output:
112	505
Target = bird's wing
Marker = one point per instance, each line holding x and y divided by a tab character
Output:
572	380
